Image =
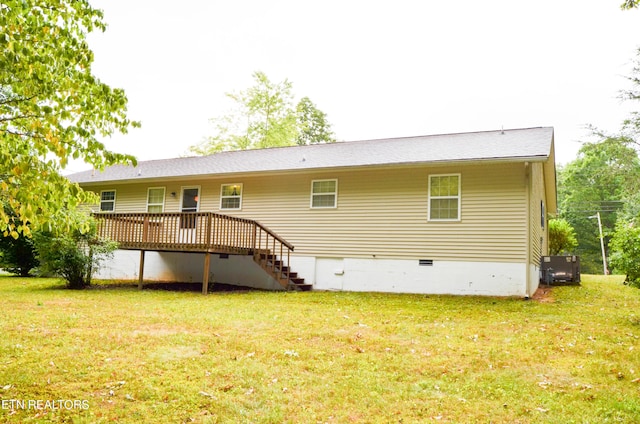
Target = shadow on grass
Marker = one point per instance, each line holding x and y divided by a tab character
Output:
56	284
173	287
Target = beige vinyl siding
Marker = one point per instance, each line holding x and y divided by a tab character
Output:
537	231
381	212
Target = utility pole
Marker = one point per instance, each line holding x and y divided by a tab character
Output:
604	257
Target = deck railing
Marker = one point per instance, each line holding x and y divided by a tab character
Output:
198	232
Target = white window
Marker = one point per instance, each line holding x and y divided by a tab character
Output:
444	197
155	200
324	193
231	196
107	201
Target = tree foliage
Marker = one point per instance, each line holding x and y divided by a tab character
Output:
562	237
625	241
625	246
629	4
52	109
18	256
313	126
602	178
631	125
265	115
73	255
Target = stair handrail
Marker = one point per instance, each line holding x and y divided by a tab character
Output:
274	235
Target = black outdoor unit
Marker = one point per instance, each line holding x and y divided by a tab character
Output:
557	269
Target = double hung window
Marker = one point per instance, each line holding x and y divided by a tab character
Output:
444	197
231	197
155	200
324	194
108	201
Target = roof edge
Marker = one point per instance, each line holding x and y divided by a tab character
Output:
438	163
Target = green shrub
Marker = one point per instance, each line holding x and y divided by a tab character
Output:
625	248
17	256
73	256
17	252
562	237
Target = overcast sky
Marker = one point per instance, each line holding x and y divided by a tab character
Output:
377	68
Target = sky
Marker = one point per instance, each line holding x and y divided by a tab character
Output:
378	69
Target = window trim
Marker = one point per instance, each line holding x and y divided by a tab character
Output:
458	198
164	195
110	201
238	196
335	194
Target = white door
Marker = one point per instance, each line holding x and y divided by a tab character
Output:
190	202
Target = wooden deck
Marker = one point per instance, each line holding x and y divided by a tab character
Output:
204	232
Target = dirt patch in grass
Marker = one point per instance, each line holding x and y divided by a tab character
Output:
175	353
177	287
544	295
196	287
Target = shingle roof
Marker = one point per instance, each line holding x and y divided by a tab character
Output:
514	144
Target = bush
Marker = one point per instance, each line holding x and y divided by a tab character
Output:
73	256
17	256
17	252
625	248
562	237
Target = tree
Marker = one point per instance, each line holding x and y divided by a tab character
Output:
52	108
562	237
313	126
625	241
601	179
629	4
631	125
74	255
265	116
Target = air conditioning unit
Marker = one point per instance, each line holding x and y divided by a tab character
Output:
555	269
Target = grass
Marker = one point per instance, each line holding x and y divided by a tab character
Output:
133	356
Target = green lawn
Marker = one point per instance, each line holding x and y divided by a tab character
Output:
129	356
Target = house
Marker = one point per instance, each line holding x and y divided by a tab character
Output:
441	214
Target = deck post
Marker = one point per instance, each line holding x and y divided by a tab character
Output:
205	274
141	271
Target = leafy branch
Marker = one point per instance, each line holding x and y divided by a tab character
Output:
52	109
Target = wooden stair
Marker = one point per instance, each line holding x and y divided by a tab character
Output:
280	272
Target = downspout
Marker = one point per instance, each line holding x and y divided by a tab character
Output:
527	183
